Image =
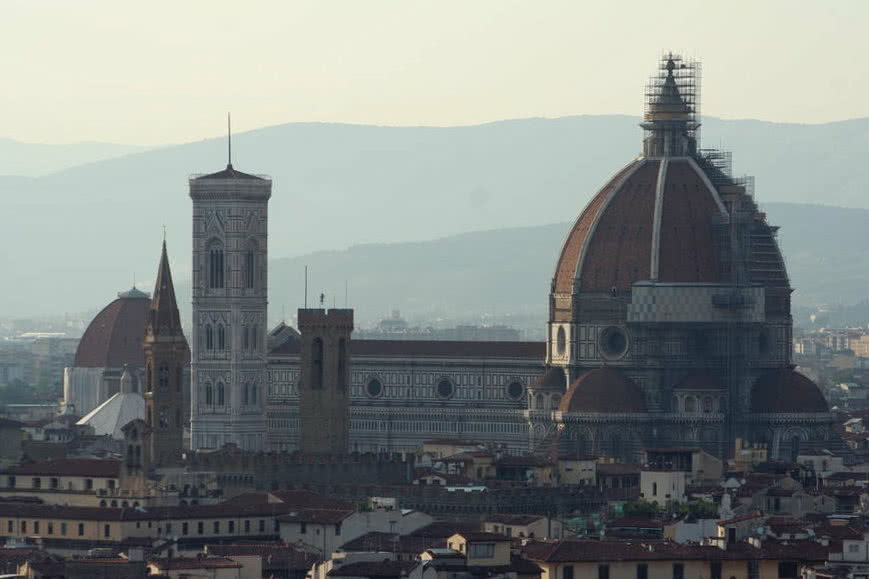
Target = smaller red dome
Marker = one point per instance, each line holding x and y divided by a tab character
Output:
553	379
786	390
603	390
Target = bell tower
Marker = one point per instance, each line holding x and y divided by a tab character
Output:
166	355
230	300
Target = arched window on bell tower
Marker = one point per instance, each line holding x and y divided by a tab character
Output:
209	337
317	364
250	265
215	264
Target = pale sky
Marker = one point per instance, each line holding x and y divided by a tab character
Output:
162	72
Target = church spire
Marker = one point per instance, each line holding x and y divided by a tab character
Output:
164	317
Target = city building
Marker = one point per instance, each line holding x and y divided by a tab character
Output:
230	298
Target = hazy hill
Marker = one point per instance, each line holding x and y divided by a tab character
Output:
36	159
73	238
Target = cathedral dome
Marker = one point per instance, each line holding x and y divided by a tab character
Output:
114	337
785	390
651	221
603	390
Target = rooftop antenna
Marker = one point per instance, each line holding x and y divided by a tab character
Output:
228	142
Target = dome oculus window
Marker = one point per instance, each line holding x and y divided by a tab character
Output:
445	388
515	390
613	342
374	388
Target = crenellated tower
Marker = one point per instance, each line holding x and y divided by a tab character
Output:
230	299
324	389
166	355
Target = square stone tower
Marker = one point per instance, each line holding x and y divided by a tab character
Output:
230	299
324	388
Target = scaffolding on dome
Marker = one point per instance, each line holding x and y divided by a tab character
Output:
672	99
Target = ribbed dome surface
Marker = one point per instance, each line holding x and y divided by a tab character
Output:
603	390
651	221
786	390
114	337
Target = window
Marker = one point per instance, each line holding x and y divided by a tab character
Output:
317	364
231	527
37	482
216	527
567	572
303	528
221	337
200	527
54	483
788	570
215	267
209	337
338	529
603	572
23	527
247	526
654	489
163	377
262	526
81	529
107	531
10	482
10	526
63	529
250	267
209	395
853	548
220	393
715	570
678	570
36	527
487	551
753	569
88	484
642	571
184	528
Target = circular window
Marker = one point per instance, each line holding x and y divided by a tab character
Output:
445	388
374	388
515	390
562	341
613	342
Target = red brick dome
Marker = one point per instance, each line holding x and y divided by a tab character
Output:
786	390
114	337
603	390
651	221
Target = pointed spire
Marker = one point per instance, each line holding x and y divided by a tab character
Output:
164	317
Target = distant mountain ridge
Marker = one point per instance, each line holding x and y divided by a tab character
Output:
78	235
37	159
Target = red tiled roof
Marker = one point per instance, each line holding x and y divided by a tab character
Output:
317	516
786	390
390	542
194	563
114	337
535	351
89	467
374	569
603	390
571	252
274	556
